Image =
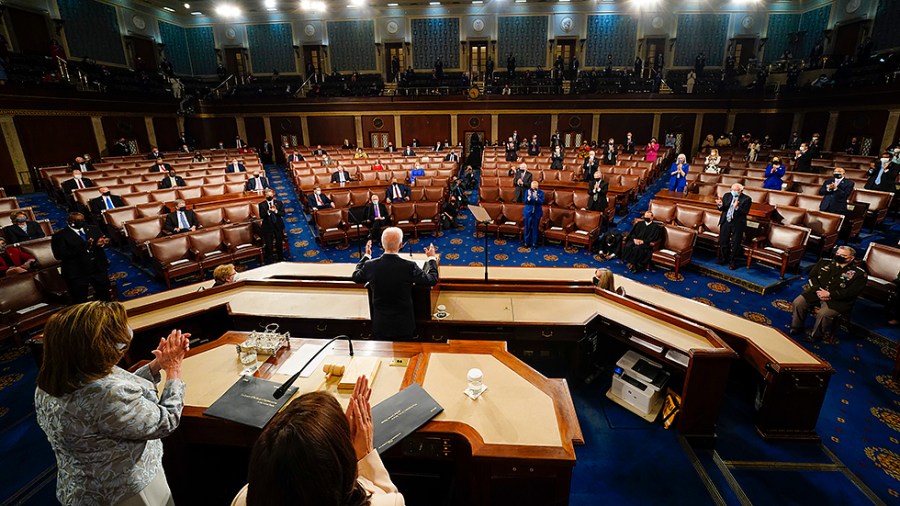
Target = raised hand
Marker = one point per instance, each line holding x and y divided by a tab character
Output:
359	416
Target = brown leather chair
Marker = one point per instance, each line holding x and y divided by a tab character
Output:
340	198
808	201
879	205
25	305
331	226
172	257
359	197
882	263
306	181
214	180
791	215
676	248
133	199
507	194
495	211
189	192
235	187
434	194
164	195
663	212
41	251
423	181
213	190
581	199
708	232
586	229
513	220
140	232
149	209
403	214
782	198
488	194
428	218
417	194
689	217
116	218
242	243
210	216
783	245
758	195
239	213
824	229
558	225
209	248
564	199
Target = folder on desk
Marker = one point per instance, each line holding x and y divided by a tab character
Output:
402	414
250	402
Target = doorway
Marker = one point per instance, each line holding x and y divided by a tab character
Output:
572	139
379	139
847	38
744	50
236	62
655	51
565	48
478	59
467	140
29	30
313	55
394	50
142	53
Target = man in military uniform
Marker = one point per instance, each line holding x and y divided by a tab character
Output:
833	285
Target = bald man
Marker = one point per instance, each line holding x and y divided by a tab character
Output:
390	280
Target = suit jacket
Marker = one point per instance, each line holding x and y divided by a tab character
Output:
803	163
311	200
17	256
14	233
98	204
452	157
628	147
740	213
843	282
167	183
80	258
835	201
590	168
598	190
69	185
533	203
534	148
275	222
320	152
336	178
171	225
382	211
390	280
155	169
229	169
888	179
119	150
251	181
152	156
526	178
389	192
295	158
87	166
390	149
609	156
408	152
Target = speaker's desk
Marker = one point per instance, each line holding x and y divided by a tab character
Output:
513	445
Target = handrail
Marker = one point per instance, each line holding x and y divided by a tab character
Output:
303	86
63	68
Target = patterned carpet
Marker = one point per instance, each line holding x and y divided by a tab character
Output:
859	424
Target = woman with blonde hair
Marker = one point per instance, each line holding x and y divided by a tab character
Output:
360	154
103	422
224	274
712	162
604	278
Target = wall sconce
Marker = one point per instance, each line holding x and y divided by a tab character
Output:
672	43
58	23
297	51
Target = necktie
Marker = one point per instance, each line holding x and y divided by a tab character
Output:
182	221
79	183
730	214
396	192
82	235
109	204
880	173
342	176
377	214
318	200
82	167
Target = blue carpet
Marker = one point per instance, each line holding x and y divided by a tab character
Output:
625	460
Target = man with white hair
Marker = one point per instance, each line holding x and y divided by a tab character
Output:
735	206
390	280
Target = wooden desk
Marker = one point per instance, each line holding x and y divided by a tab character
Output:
516	441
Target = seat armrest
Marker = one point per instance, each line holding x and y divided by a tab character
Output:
757	240
569	228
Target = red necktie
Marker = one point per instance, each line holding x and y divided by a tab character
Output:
318	200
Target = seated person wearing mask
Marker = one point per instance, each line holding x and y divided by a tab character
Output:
22	229
834	286
13	260
637	248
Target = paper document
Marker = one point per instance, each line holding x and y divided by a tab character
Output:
300	357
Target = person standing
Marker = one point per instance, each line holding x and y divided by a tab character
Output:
774	174
271	211
598	191
628	146
533	212
883	175
79	248
652	150
803	159
105	423
691	82
834	286
678	174
390	280
521	180
610	152
734	206
836	192
590	166
556	158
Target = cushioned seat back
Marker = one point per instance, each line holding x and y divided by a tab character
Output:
821	223
359	197
513	212
189	192
804	178
561	217
340	198
41	251
550	175
808	201
877	200
237	178
506	181
149	209
237	213
440	182
688	216
489	172
210	217
143	229
170	249
706	189
213	190
368	175
758	196
206	241
488	194
167	195
403	211
133	199
416	193
711	220
427	210
116	218
679	239
709	178
581	199
328	219
307	181
434	194
507	194
587	220
630	181
730	180
238	235
663	212
423	181
494	210
882	261
490	181
787	237
19	292
564	198
792	215
214	179
809	189
235	186
137	178
781	198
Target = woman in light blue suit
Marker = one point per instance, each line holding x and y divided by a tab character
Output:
678	174
774	173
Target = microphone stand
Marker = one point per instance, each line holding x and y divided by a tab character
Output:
290	381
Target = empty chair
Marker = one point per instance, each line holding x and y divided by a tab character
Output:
586	229
149	209
209	248
488	194
41	251
133	199
783	245
359	197
189	192
824	229
559	223
25	304
513	220
507	194
709	229
140	232
495	211
882	263
416	194
340	198
791	215
239	213
564	199
879	204
210	217
172	257
434	194
689	217
676	248
663	212
428	218
782	198
330	225
403	215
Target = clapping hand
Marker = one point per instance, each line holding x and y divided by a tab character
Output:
369	248
359	415
719	201
170	352
823	294
430	251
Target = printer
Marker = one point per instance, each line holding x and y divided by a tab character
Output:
639	382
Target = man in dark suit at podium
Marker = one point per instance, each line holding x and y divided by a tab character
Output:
79	248
271	212
390	280
22	229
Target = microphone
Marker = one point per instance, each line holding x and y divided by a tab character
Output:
290	381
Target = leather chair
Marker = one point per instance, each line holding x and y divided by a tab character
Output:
209	248
783	245
239	213
564	199
558	225
24	305
307	181
116	218
189	192
354	230
586	229
495	211
882	263
879	205
331	226
149	209
808	201
242	243
165	195
172	257
758	195
507	194
689	217
791	215
440	182
513	220
423	181
782	198
824	230
140	232
210	216
359	197
581	199
428	218
403	214
709	230
676	248
434	194
213	180
663	212
41	251
235	187
416	194
340	198
488	194
213	190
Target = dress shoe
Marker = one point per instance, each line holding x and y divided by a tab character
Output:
796	331
732	266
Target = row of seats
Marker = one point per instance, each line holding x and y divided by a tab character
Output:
360	197
176	155
753	177
411	217
135	194
7	215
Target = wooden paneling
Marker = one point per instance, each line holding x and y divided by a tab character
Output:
617	125
8	179
473	123
526	124
573	123
678	123
129	127
210	131
256	131
55	140
166	131
428	129
330	130
814	122
776	125
860	124
369	127
285	129
712	124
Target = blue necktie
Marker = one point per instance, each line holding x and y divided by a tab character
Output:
182	221
109	204
880	173
82	235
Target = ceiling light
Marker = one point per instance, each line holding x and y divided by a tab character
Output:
196	13
168	9
434	3
270	4
312	5
357	3
521	1
187	6
228	10
477	1
393	5
565	1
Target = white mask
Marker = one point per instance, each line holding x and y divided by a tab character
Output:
122	346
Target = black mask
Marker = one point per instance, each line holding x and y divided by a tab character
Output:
76	223
595	280
838	175
841	259
105	194
182	208
270	198
171	174
648	220
21	220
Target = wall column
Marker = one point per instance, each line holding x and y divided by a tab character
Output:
398	135
267	125
657	121
797	123
151	132
829	133
357	126
304	125
98	133
698	136
595	127
495	128
454	126
729	122
890	130
11	138
241	128
554	126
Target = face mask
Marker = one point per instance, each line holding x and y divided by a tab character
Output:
182	208
838	175
735	194
270	198
171	174
318	192
841	259
105	194
595	280
76	223
374	202
885	160
3	249
776	163
122	346
77	176
648	220
21	220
